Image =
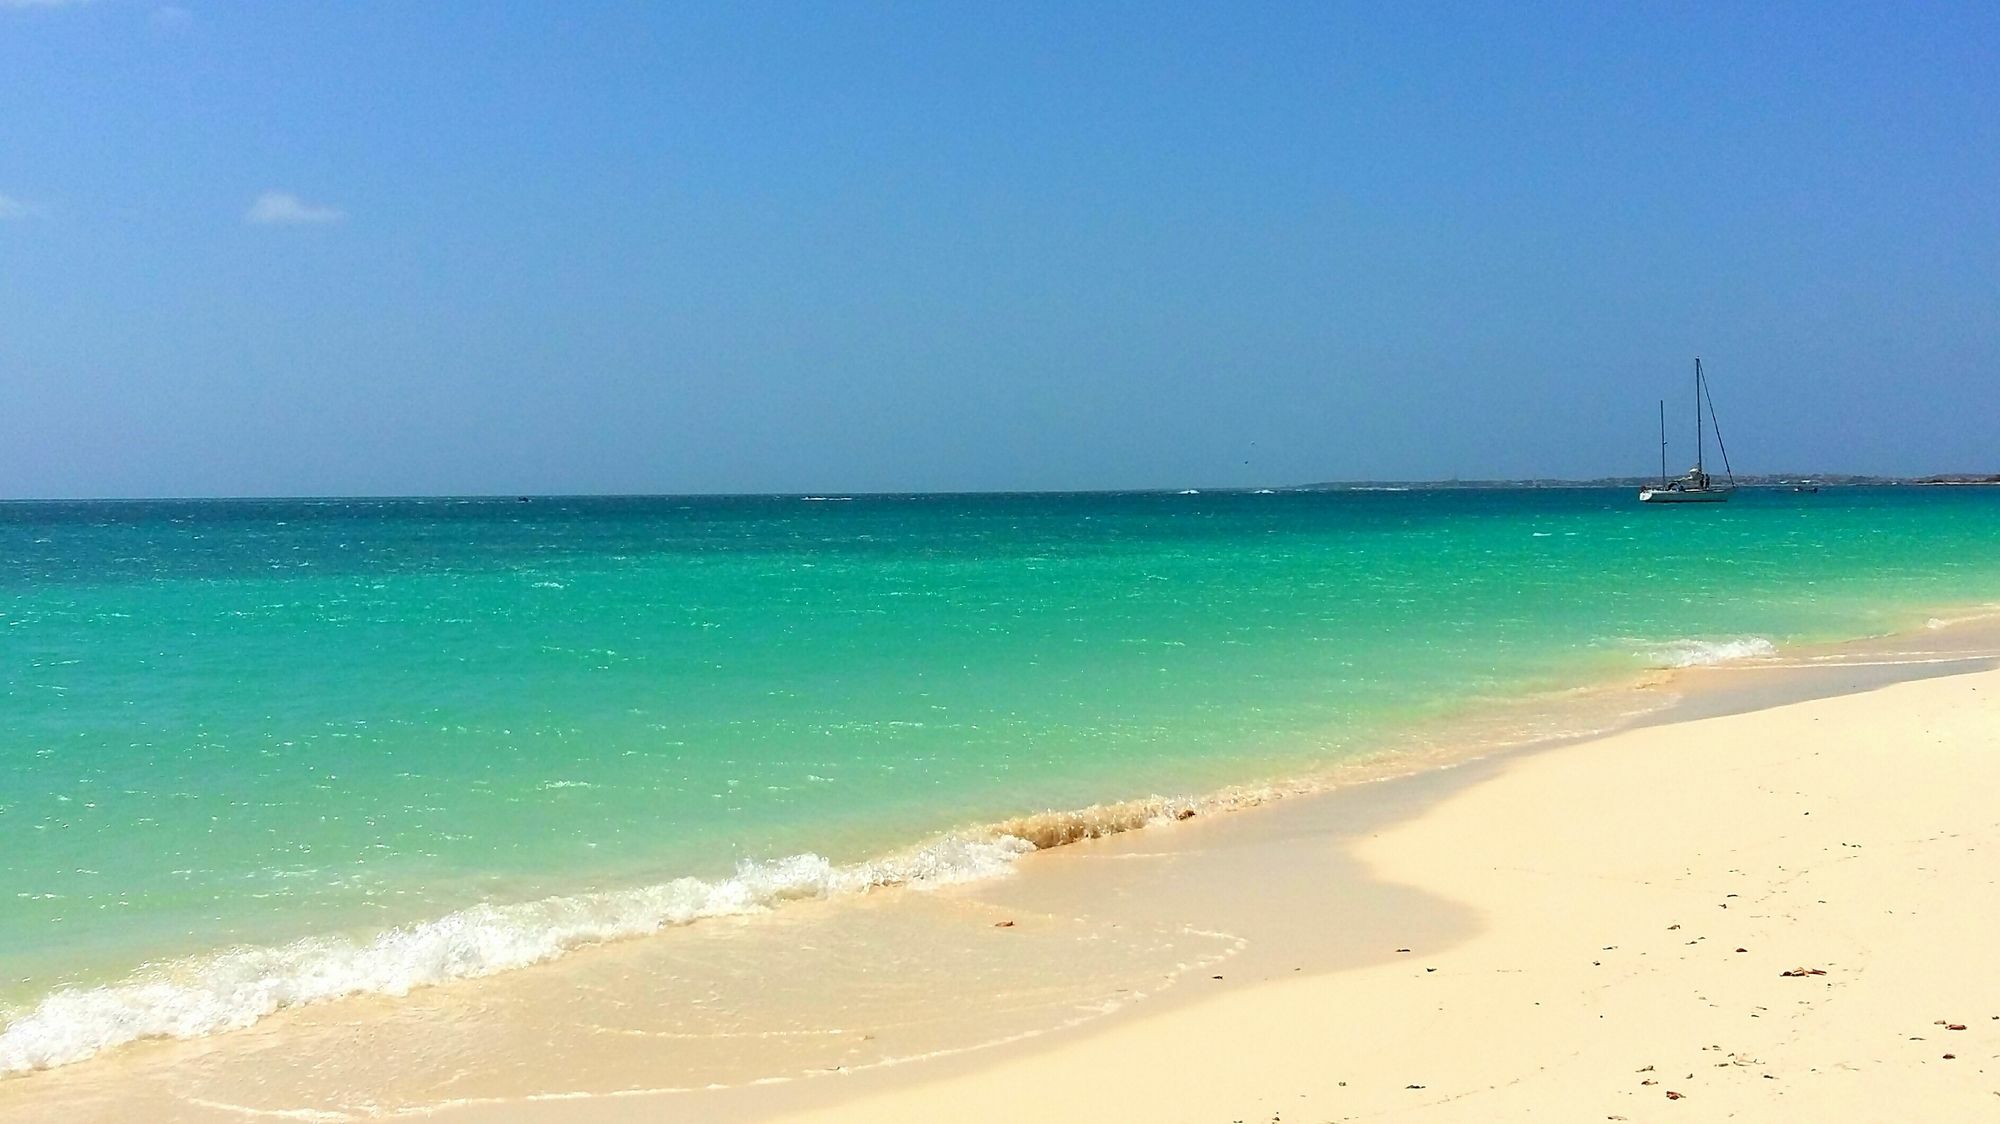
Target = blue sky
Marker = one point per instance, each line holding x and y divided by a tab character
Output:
391	248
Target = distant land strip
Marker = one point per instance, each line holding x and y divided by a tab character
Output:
1758	480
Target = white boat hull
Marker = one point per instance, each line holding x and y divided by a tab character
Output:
1683	495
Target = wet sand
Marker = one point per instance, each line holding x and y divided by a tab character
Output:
1571	913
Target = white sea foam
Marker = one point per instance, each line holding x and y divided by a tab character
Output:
233	989
1972	615
1700	653
205	995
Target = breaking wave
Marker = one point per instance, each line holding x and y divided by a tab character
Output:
1700	653
235	988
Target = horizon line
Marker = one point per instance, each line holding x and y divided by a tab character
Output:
1759	479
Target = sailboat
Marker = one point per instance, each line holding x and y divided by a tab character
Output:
1697	486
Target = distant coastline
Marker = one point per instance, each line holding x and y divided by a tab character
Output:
1748	480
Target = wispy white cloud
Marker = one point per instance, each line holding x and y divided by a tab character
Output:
12	208
282	208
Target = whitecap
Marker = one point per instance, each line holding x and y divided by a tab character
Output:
1701	653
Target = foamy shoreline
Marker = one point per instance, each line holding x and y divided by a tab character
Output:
1005	896
238	987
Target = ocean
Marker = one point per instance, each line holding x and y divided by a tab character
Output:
264	753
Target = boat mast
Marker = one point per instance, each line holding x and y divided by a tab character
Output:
1697	414
1717	424
1663	442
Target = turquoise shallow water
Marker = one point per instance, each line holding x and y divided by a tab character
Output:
237	724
